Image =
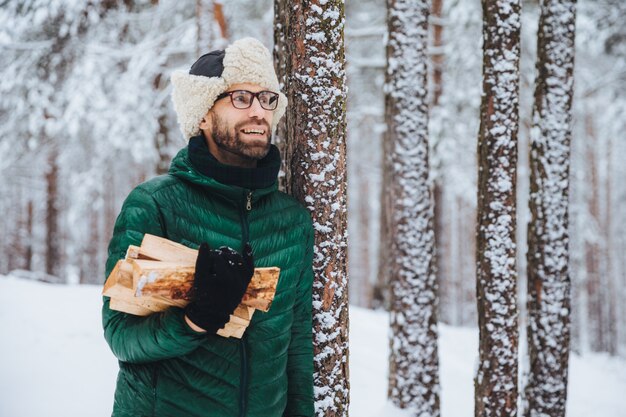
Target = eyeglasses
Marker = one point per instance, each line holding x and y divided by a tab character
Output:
242	99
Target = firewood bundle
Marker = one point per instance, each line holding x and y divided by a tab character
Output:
159	274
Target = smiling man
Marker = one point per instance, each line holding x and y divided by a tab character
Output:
249	139
220	196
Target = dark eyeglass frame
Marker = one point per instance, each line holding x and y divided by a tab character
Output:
271	106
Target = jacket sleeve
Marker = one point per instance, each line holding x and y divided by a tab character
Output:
300	353
158	336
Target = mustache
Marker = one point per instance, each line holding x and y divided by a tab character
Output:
257	122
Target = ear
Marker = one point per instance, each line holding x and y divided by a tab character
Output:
206	122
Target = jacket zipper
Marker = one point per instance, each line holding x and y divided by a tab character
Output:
243	380
249	201
155	379
243	214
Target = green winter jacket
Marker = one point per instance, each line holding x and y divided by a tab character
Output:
167	369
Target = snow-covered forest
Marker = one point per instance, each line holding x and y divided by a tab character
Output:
86	115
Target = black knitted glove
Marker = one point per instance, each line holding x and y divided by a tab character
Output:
221	279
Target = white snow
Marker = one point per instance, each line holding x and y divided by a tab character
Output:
54	361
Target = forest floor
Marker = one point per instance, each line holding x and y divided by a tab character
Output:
54	361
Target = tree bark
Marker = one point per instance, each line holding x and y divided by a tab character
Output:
280	65
549	285
496	378
53	237
316	131
29	236
162	136
437	54
381	292
209	13
413	362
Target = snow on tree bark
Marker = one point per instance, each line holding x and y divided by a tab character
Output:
280	65
413	363
548	235
316	154
496	377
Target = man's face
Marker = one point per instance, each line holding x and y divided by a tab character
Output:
238	133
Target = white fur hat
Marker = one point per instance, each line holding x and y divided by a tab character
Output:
194	92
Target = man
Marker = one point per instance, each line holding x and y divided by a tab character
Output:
221	192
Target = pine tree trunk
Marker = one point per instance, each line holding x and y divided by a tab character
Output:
162	136
364	287
280	65
316	128
437	55
380	291
211	27
443	227
413	363
29	236
53	237
593	287
204	28
90	257
496	378
549	285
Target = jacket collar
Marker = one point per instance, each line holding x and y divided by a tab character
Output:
195	164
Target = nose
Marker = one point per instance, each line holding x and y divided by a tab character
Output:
255	110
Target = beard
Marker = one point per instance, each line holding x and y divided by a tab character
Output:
230	140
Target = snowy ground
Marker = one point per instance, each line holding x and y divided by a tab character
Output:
54	361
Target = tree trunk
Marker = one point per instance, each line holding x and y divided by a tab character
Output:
549	286
380	290
53	237
29	236
361	287
593	287
443	230
209	13
280	65
220	19
496	378
91	264
162	136
316	128
437	54
413	362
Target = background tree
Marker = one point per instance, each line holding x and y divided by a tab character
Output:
453	121
597	194
496	378
413	363
548	235
316	154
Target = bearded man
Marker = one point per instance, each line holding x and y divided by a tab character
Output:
220	196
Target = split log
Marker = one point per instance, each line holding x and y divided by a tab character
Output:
262	288
176	283
119	286
159	274
167	279
160	249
